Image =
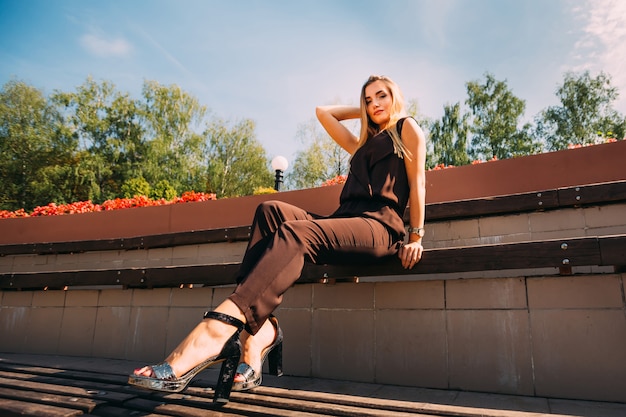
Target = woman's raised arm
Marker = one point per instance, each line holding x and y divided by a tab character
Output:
330	117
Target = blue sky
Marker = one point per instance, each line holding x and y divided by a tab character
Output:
273	61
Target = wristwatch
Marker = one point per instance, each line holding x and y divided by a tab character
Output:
417	230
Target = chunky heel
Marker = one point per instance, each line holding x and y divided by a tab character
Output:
274	354
225	380
164	379
275	360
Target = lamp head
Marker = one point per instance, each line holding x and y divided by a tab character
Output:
279	163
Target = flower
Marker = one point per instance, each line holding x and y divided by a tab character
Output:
339	179
441	166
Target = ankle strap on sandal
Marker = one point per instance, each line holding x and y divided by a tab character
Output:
224	318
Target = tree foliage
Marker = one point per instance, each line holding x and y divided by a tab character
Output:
96	144
321	160
237	162
37	156
449	137
585	112
176	149
488	128
495	117
106	126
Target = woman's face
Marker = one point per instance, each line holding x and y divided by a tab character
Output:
378	102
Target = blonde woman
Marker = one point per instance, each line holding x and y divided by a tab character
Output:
386	173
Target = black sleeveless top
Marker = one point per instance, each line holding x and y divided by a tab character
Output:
377	185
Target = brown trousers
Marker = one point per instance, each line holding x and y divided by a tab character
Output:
284	237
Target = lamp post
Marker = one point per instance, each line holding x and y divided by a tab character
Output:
279	165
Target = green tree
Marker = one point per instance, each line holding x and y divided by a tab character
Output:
127	140
108	127
163	189
449	137
413	110
322	159
36	152
135	187
176	147
237	162
585	113
496	114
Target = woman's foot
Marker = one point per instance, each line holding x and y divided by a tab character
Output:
267	341
206	340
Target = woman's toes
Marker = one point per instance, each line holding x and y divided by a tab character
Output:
145	371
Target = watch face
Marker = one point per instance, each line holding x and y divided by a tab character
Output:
417	230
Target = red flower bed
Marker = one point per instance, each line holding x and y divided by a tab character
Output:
54	209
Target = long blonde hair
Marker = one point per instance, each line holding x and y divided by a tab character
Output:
369	128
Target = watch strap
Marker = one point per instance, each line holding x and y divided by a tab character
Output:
417	230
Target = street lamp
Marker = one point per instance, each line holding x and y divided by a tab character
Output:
279	165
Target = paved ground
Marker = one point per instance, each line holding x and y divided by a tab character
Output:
41	385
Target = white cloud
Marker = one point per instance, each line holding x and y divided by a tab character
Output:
602	46
99	46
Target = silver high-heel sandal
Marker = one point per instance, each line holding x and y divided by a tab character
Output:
273	352
164	378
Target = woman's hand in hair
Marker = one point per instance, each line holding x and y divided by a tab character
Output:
330	117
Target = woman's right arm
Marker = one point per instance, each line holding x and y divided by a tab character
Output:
330	117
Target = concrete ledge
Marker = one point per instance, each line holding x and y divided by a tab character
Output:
582	195
562	253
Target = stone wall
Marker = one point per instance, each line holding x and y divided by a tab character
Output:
549	336
526	332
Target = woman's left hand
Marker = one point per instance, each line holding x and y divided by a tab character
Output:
410	254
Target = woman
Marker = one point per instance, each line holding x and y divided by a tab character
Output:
386	173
